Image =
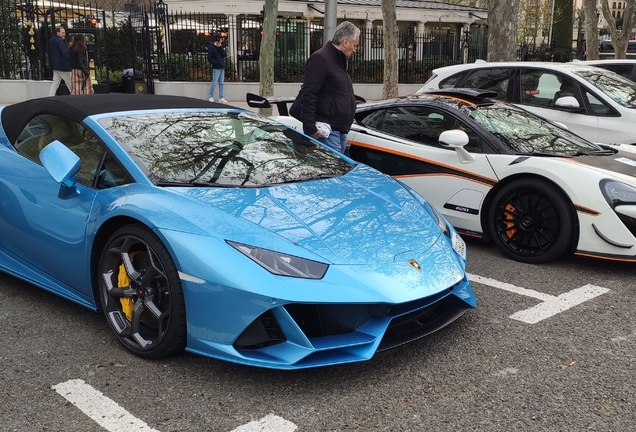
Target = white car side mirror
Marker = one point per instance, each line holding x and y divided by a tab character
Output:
567	102
456	139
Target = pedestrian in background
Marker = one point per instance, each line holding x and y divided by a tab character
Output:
216	57
328	102
58	60
80	78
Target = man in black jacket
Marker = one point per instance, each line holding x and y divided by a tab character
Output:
58	60
328	101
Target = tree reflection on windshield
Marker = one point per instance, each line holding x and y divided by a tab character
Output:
213	148
524	132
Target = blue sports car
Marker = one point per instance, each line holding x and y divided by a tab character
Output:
220	231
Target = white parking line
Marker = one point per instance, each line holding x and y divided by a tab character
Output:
112	417
550	305
269	423
104	411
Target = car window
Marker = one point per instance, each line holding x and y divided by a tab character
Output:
596	106
451	82
495	80
46	128
420	124
541	88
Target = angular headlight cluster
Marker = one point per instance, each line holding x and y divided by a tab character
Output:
281	264
440	220
617	193
443	226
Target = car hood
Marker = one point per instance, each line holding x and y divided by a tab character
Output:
363	217
622	162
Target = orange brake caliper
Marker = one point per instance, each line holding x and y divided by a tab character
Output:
509	220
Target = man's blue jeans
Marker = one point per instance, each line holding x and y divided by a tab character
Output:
335	140
218	75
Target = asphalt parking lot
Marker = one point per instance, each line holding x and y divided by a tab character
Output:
533	356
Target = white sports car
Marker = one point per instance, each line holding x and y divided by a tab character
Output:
499	172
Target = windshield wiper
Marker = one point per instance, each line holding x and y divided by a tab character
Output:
537	153
607	152
196	184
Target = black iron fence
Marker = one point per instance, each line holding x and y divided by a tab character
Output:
154	43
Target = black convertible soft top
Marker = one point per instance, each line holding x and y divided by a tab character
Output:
16	116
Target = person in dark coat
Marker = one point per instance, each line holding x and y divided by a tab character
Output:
216	57
328	100
80	78
58	60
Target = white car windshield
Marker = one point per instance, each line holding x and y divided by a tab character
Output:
524	132
620	89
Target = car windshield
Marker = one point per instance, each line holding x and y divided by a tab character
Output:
221	148
620	89
523	132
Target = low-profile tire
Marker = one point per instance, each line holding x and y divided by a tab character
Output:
141	293
531	221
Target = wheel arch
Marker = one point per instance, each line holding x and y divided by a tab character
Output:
488	201
101	237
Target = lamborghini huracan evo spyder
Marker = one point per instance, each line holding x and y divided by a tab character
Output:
213	229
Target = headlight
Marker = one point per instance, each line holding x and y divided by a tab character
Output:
441	222
281	264
443	226
617	193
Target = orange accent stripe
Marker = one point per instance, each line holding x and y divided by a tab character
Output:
442	175
588	211
605	258
410	156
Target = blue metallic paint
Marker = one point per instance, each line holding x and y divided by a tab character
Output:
364	225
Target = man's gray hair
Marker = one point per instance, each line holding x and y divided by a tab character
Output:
346	30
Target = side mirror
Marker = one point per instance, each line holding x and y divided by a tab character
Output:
457	139
60	162
569	103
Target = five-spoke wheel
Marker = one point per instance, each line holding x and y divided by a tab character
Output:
141	293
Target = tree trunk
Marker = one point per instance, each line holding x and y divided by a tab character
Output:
502	30
591	30
266	56
390	33
620	37
562	26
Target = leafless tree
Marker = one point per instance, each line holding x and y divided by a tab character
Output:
390	32
266	57
620	36
591	30
502	30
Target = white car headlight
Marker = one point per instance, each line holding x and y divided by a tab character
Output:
282	264
617	193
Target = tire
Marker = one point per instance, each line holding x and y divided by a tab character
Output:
531	221
141	293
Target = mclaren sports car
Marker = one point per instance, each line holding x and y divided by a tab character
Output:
498	172
207	228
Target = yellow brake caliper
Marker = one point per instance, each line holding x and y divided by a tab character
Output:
123	281
509	220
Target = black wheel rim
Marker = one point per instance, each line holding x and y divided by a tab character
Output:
136	293
527	222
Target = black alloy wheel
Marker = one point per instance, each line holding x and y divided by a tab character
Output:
530	221
141	293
